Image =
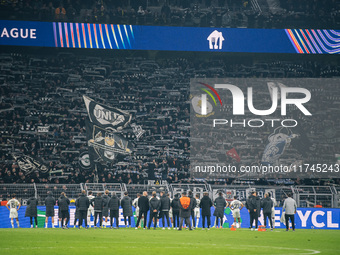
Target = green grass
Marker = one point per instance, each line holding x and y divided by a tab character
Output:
139	242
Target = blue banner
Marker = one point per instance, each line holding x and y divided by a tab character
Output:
305	218
118	37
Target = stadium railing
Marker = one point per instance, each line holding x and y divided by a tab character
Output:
101	187
305	196
312	196
22	191
243	191
72	191
195	188
133	189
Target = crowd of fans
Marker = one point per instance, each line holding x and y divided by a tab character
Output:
202	13
42	113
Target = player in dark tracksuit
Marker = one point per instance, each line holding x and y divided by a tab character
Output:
192	212
49	203
63	203
206	205
164	209
83	204
253	205
113	205
267	205
106	207
98	204
143	204
154	206
175	211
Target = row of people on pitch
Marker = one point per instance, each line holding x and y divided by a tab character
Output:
254	205
103	206
86	206
166	208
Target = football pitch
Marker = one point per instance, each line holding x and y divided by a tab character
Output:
131	241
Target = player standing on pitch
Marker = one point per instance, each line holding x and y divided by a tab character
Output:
49	203
63	203
164	209
206	205
253	205
273	209
289	206
197	210
143	205
154	205
126	204
90	211
13	206
236	206
175	211
267	205
219	204
135	205
32	210
193	206
106	207
114	204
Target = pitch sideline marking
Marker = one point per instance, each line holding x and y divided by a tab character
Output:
310	251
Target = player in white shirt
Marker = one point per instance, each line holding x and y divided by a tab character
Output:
273	209
197	209
135	205
13	206
236	206
90	211
170	211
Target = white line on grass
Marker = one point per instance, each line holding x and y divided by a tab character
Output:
307	251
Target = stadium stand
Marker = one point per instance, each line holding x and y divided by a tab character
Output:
208	13
43	114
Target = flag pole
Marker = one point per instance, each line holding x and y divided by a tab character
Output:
96	174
